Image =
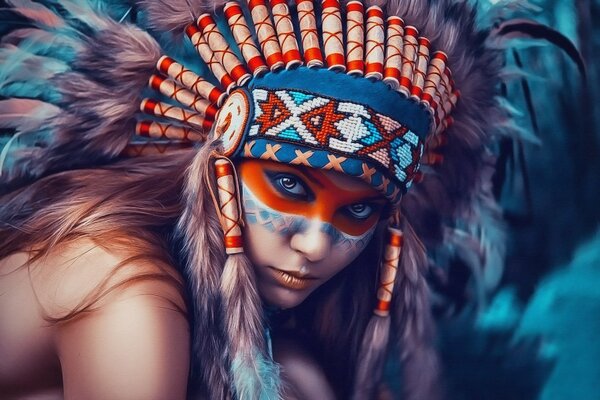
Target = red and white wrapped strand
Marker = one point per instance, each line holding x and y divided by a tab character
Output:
409	53
309	34
375	43
244	39
209	57
333	35
190	80
433	79
160	109
229	207
421	64
183	96
285	33
157	130
355	38
389	269
267	38
393	52
221	49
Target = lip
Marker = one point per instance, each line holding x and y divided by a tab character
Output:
293	280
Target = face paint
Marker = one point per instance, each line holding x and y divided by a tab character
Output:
257	212
300	236
348	204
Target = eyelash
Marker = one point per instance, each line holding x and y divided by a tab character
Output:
277	181
372	208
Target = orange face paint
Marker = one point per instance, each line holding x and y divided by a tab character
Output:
327	196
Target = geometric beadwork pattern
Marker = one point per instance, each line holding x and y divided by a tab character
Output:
339	127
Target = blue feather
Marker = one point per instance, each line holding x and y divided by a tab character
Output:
255	377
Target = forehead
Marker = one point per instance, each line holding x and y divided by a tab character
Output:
327	180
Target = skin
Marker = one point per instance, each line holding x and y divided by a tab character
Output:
135	345
303	226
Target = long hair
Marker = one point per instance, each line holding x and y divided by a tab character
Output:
160	209
129	207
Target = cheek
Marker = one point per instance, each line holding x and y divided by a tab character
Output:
257	213
345	248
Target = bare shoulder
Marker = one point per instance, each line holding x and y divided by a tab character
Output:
75	274
133	342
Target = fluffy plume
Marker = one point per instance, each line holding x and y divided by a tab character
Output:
413	323
26	114
254	375
108	67
173	15
372	357
200	231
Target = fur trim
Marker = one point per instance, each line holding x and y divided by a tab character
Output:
200	231
413	323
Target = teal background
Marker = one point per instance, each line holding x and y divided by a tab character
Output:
538	335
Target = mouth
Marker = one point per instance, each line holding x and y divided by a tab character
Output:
292	280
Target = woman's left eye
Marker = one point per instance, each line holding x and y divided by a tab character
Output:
360	210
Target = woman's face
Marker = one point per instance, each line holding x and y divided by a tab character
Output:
303	226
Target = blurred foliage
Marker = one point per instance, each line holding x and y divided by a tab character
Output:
537	338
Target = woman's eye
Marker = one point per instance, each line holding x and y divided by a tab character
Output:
290	185
360	210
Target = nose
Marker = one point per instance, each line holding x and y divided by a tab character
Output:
313	242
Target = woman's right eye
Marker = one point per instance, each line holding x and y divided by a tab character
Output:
290	185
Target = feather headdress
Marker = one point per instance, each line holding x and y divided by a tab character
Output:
400	92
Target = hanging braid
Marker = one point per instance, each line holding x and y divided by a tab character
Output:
413	322
200	232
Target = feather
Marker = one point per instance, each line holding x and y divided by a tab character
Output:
509	74
37	13
255	377
40	42
82	11
33	88
25	114
372	357
526	28
20	65
173	15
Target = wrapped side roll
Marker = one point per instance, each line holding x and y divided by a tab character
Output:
229	207
393	52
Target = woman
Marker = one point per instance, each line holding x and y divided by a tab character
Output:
281	232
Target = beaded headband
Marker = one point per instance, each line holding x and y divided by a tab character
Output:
357	93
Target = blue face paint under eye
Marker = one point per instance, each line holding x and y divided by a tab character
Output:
256	212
